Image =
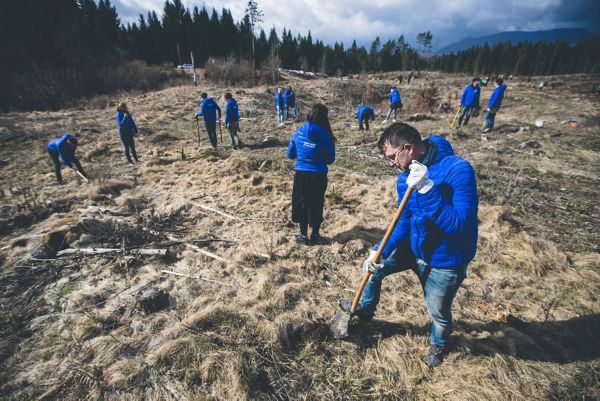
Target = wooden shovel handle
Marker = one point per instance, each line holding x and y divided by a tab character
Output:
377	257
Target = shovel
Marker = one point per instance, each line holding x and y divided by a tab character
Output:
341	320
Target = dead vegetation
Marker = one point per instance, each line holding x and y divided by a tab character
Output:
243	311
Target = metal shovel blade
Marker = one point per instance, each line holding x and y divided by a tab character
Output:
339	324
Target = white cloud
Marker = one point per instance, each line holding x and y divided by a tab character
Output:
363	20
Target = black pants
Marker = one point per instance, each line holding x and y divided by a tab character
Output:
56	160
366	116
211	129
129	143
308	198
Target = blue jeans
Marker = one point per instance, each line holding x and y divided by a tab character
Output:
490	116
466	115
439	287
281	115
211	130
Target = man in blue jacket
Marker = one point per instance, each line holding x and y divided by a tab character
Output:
209	110
280	105
494	104
364	114
395	104
127	131
64	148
469	101
232	120
436	236
289	98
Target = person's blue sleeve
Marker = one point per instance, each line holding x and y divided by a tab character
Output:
464	96
227	111
291	150
328	151
133	126
402	228
120	119
452	217
202	110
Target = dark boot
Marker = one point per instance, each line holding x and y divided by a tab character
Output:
346	306
435	356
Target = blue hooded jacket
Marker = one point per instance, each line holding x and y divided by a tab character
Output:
126	124
279	102
231	112
470	96
497	97
395	96
360	113
440	225
312	148
58	145
208	110
289	98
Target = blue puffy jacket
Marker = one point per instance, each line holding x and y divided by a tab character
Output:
279	102
312	148
470	96
126	124
65	152
231	112
497	96
361	111
208	110
395	96
441	225
289	98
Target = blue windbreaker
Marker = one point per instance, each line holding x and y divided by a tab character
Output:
208	110
57	145
395	96
360	113
279	102
312	148
231	112
441	225
289	98
470	96
497	96
126	124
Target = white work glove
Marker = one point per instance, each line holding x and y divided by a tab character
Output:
419	177
369	266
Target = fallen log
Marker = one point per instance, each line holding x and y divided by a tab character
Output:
107	251
195	277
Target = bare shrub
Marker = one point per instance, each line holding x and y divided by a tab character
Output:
269	70
426	99
229	71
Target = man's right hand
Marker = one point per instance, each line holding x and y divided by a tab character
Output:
369	265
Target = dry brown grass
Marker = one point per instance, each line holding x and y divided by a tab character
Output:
526	317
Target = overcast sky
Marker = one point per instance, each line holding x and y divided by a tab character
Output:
363	20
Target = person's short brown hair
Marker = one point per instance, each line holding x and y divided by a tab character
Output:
399	134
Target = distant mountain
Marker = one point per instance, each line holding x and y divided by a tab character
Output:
571	35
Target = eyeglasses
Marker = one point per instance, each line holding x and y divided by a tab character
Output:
391	159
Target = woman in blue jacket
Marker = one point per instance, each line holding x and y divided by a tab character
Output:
313	147
494	104
64	148
127	131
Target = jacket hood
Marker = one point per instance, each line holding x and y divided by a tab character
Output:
232	102
209	100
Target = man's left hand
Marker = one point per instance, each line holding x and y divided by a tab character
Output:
419	177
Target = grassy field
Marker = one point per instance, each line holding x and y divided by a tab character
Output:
253	324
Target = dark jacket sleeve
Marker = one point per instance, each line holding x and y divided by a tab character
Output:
328	150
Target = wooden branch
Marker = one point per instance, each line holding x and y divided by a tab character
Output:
217	211
106	251
195	277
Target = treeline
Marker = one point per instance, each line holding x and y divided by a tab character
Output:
525	58
54	51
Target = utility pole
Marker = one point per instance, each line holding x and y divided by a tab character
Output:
179	57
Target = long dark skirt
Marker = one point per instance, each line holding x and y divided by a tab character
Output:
308	198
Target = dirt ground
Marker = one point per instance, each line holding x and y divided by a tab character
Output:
245	316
